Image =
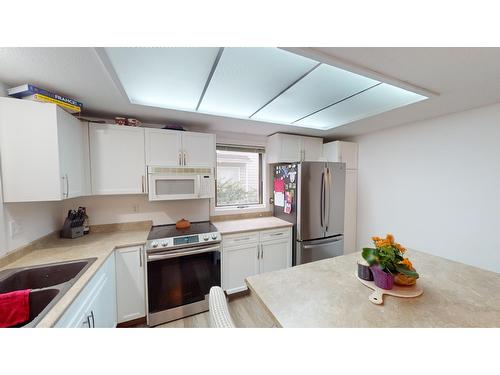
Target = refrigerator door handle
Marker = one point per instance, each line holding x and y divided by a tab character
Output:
329	180
322	200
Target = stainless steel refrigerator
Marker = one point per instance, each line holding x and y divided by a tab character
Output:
311	195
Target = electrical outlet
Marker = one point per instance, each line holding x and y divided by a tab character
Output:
15	228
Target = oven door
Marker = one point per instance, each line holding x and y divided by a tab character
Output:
179	281
170	187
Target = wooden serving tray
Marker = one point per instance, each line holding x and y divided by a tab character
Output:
377	297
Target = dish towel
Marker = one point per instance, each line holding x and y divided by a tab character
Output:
14	308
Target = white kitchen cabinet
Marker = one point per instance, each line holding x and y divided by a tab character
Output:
343	152
130	289
199	150
44	152
239	262
287	148
170	148
163	147
251	253
274	255
117	159
95	306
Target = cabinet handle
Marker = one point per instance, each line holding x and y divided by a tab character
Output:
140	257
142	184
180	159
242	239
88	321
67	186
93	318
261	251
185	158
258	251
277	234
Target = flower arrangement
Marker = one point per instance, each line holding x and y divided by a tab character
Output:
387	262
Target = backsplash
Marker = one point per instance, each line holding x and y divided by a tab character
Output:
126	208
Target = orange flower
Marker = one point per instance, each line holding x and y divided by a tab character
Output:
400	248
375	239
407	263
390	238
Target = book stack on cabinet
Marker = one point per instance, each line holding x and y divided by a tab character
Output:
30	92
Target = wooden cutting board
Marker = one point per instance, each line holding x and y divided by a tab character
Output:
377	297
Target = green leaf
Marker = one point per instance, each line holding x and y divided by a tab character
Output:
406	271
370	255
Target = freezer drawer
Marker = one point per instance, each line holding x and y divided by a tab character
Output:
311	251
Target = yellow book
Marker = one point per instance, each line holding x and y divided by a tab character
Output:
68	107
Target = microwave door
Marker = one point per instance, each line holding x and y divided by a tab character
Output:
173	187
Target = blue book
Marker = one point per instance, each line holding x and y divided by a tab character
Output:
28	89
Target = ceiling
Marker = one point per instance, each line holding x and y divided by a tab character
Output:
458	78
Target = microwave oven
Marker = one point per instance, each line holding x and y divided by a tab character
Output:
180	183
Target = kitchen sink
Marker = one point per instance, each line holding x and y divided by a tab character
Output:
48	283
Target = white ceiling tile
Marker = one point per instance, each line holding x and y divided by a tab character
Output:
376	100
163	77
325	85
248	78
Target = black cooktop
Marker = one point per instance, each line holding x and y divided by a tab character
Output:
167	231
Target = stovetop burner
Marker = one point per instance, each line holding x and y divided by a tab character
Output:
168	231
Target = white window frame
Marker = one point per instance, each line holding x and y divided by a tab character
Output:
254	208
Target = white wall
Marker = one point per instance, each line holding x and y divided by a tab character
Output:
127	208
35	219
435	185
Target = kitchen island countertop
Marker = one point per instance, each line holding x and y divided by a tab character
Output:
327	294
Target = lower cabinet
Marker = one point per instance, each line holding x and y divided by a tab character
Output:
130	287
95	306
251	253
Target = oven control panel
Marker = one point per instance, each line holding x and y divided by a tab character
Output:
182	241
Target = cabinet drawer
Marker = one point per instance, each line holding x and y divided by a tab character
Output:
240	239
274	234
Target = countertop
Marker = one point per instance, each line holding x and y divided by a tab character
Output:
94	245
248	225
328	294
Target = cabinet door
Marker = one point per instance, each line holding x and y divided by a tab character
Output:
117	159
199	150
312	148
274	255
163	147
351	194
290	148
130	292
103	306
238	263
345	152
73	155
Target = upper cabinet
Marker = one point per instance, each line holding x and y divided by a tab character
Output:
287	148
344	152
117	159
170	148
44	152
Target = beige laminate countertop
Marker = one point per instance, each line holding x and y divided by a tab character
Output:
94	245
327	294
248	225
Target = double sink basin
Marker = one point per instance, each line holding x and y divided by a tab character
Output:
48	283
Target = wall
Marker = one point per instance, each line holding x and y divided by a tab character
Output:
35	219
126	208
435	185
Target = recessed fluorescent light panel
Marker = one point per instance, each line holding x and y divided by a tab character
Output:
264	84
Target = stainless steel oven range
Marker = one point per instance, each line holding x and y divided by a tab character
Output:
182	265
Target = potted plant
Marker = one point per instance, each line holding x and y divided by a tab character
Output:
388	264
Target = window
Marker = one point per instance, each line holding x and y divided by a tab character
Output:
239	176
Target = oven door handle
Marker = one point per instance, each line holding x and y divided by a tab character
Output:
177	254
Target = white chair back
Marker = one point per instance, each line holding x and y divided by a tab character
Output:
219	312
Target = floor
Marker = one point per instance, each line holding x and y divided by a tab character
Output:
245	311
